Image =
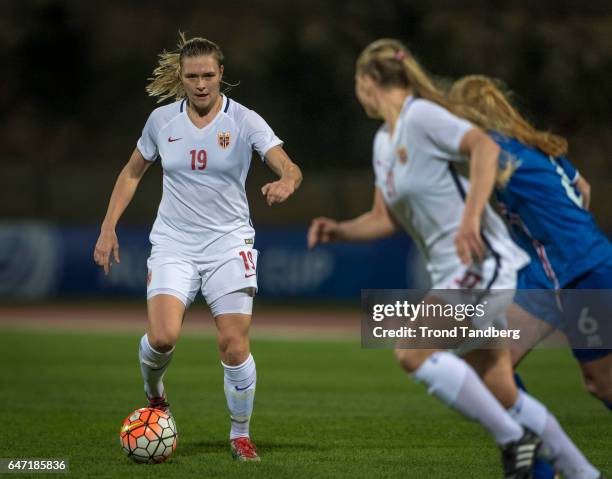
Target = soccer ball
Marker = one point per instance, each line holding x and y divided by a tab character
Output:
148	435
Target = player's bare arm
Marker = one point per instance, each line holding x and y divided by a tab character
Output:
123	192
584	187
483	153
290	176
375	224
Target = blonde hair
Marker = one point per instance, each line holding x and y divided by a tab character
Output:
390	64
476	98
483	101
166	81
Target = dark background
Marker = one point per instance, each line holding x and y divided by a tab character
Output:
72	98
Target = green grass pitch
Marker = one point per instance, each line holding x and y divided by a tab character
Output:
323	409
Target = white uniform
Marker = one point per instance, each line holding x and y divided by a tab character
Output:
415	171
202	237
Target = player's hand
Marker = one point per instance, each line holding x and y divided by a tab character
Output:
584	188
468	241
277	191
107	244
322	230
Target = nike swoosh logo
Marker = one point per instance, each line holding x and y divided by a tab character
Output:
246	387
170	139
129	427
249	275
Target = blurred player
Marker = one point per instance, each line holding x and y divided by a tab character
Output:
546	202
417	187
202	239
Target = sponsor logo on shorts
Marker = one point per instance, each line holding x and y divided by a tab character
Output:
248	241
249	275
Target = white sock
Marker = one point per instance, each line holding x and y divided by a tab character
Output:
566	456
453	381
153	365
239	384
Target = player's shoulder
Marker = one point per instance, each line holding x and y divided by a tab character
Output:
420	108
164	114
244	118
237	111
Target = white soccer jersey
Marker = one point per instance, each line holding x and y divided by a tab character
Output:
205	170
415	171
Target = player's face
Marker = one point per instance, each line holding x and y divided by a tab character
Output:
201	77
365	89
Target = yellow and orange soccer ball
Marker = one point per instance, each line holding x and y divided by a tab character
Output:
148	435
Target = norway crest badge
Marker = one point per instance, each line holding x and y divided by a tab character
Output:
223	138
402	155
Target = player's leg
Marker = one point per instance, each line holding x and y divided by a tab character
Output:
533	330
495	368
165	314
454	382
172	285
597	375
465	391
232	313
589	329
229	285
534	312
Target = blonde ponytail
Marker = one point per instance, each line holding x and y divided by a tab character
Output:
483	101
478	99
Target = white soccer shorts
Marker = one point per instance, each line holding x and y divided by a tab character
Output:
490	283
217	274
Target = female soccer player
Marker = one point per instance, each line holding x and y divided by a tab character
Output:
539	191
202	238
417	187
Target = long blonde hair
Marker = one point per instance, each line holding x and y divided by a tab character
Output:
478	99
166	81
485	102
390	64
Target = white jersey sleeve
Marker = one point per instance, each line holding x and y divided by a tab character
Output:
437	131
259	134
147	143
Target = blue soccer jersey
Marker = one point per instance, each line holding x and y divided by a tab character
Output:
538	197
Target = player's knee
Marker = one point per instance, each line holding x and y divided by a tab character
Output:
162	341
409	359
233	348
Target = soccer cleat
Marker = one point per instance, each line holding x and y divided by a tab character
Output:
160	403
519	456
244	450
